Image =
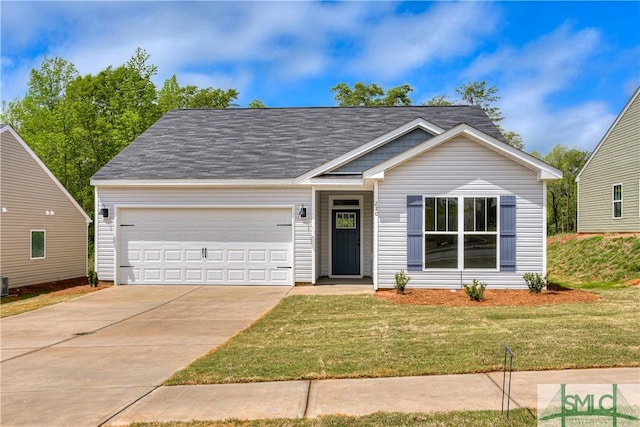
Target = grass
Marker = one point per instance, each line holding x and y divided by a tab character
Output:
316	337
29	302
517	417
596	262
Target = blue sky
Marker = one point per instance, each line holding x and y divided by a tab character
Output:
564	69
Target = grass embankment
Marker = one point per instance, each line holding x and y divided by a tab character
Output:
308	337
517	417
594	261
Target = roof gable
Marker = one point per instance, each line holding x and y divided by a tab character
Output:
544	170
271	143
8	129
634	98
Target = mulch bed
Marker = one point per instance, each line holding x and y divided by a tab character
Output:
78	285
492	297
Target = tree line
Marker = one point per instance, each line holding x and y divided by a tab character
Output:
76	123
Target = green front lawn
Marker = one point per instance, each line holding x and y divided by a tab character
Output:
517	417
307	337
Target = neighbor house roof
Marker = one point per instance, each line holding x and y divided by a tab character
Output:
8	129
606	135
268	143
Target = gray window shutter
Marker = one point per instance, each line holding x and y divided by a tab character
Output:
507	233
414	233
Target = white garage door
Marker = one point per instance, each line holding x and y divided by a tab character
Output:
205	246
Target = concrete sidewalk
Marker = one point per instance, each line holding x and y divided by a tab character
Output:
298	399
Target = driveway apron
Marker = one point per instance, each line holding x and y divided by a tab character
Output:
81	362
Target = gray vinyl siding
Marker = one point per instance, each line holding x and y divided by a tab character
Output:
617	161
459	168
367	231
385	152
110	197
27	192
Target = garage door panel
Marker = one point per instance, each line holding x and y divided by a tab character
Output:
173	274
242	246
193	255
215	255
215	276
236	275
172	255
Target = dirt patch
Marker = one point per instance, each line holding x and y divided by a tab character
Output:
78	285
633	282
492	297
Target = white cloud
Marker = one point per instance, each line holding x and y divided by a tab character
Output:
401	43
532	80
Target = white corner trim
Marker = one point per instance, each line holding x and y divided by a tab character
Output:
418	123
544	170
8	128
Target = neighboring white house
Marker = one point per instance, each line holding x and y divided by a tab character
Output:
609	182
43	231
289	195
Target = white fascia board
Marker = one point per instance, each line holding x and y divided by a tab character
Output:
606	135
545	171
418	123
191	182
8	128
332	181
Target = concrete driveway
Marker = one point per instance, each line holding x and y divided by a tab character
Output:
81	362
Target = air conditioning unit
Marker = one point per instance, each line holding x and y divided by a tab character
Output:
5	286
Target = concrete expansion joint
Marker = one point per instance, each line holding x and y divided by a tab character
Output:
127	406
499	387
306	398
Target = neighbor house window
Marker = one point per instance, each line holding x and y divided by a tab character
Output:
461	238
37	244
617	201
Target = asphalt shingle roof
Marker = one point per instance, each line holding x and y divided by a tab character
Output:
268	143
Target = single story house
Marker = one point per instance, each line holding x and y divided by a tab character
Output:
283	196
609	182
43	230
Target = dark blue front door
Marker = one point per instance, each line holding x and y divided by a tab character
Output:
345	242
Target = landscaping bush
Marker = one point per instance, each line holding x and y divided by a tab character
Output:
401	281
476	290
93	278
535	282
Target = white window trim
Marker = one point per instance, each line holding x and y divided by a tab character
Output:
360	207
461	234
31	257
613	201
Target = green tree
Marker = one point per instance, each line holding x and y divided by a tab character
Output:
439	100
479	93
257	103
370	95
562	194
43	117
173	96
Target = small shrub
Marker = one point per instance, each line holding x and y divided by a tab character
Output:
476	290
536	282
93	278
401	281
